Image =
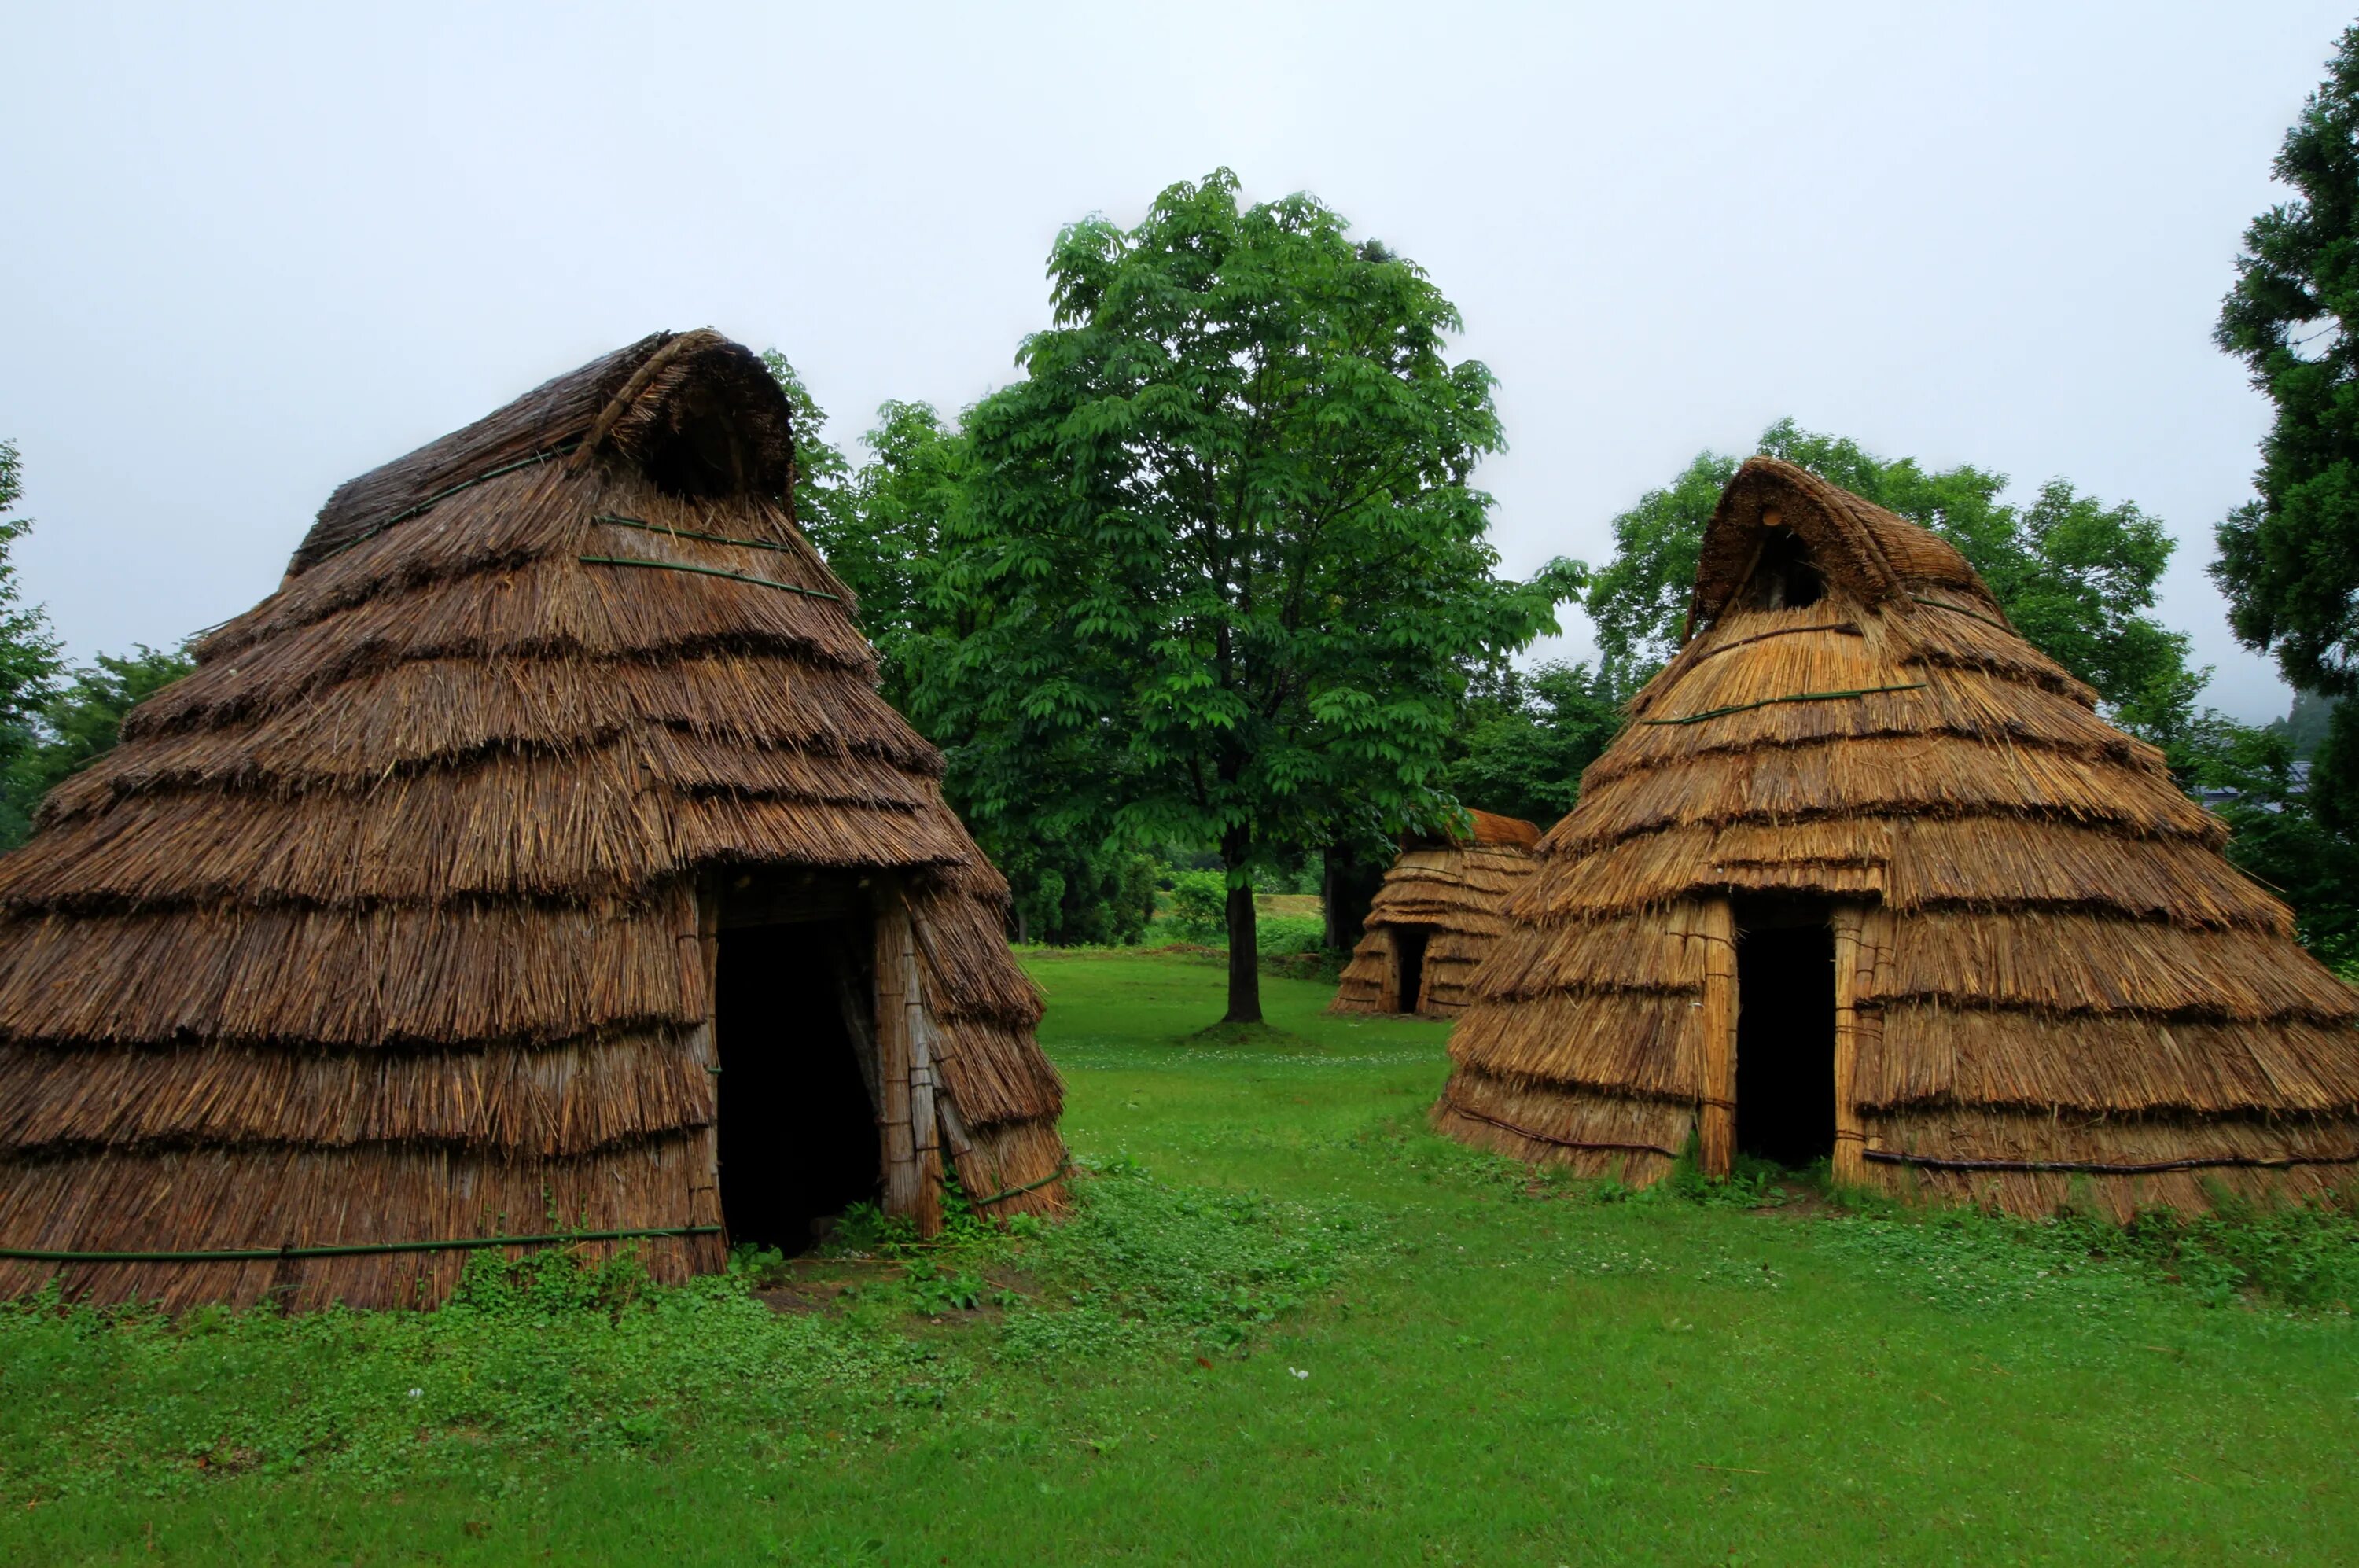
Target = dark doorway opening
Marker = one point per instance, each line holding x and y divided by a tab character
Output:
797	1133
1408	966
1785	1038
1784	576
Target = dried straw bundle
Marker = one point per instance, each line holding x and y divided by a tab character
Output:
384	926
1449	891
2047	974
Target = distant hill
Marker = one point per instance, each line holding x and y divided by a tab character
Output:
2306	725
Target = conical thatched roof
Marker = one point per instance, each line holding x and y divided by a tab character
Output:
2045	970
1445	894
394	921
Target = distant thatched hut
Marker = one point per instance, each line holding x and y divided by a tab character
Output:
1435	915
550	783
1867	876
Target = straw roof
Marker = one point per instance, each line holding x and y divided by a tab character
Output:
2047	973
383	926
1449	887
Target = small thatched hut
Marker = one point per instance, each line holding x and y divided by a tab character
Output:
1434	918
539	859
1868	878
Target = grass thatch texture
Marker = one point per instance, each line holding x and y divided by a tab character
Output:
266	1194
2050	927
567	1099
1456	893
408	883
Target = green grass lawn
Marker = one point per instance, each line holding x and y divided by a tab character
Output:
1288	1326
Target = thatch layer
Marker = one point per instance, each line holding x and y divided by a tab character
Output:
1448	893
397	911
2055	966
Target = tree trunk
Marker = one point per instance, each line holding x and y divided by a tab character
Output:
1347	887
1244	956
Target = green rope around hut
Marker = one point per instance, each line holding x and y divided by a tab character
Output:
691	533
563	448
702	572
1063	1168
1962	610
347	1249
1796	697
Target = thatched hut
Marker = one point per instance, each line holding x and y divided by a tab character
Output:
1435	916
1867	876
539	859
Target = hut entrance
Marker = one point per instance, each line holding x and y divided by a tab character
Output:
793	1028
1785	1032
1408	966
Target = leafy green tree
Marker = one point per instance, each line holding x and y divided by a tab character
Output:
29	661
2275	835
2077	577
2290	559
1224	561
1077	893
824	505
902	497
1527	736
79	723
880	526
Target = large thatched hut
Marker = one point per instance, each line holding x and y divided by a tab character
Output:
539	859
1867	876
1435	914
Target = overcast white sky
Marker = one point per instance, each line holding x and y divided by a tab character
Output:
250	253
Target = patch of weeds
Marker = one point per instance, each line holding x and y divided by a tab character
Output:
2304	1256
935	1290
1142	1264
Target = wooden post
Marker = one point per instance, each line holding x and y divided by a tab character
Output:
1851	954
893	1064
924	1127
705	1051
1716	928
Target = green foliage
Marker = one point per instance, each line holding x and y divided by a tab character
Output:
78	723
1072	890
2290	559
29	660
2275	835
824	504
1220	555
2077	577
1289	936
1200	905
1524	738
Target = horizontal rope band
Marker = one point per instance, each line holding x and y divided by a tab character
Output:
691	533
2093	1168
1063	1166
1450	1103
703	572
560	450
1772	702
1962	610
346	1249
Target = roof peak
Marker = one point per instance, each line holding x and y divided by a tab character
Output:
1873	554
696	411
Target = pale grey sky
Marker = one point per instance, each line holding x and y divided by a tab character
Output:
253	251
